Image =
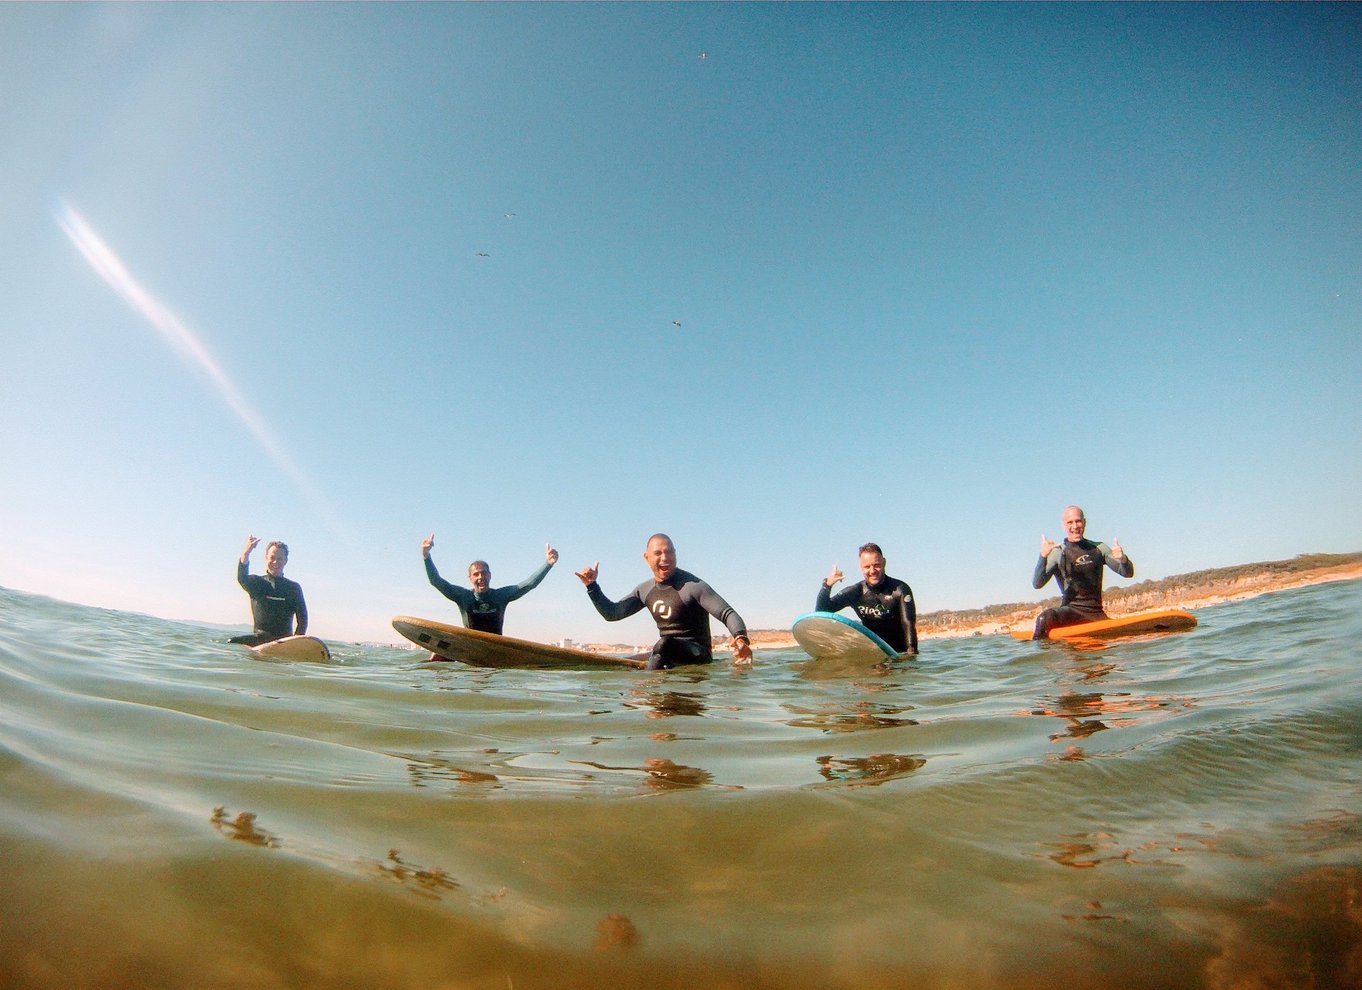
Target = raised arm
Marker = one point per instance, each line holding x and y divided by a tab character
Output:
610	611
453	592
1048	564
1116	559
530	583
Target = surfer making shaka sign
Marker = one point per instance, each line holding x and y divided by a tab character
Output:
884	604
484	607
679	602
1076	565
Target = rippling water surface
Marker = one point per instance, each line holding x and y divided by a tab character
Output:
1179	811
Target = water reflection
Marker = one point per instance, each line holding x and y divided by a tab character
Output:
242	828
667	704
662	774
863	715
868	771
1088	713
428	882
432	769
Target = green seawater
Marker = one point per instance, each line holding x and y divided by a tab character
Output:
1183	811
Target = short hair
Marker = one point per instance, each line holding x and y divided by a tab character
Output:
482	563
660	536
277	543
870	548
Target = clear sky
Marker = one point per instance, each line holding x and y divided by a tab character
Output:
347	275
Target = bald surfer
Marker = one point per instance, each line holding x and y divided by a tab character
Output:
277	606
884	604
1076	565
679	602
484	607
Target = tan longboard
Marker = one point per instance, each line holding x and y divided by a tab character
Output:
489	650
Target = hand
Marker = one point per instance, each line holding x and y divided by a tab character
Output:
588	574
833	577
742	650
550	554
251	541
1116	552
426	544
1046	545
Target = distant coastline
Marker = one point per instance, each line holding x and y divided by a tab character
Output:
1191	591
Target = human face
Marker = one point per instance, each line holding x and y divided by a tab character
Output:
479	577
1074	524
661	558
872	568
275	559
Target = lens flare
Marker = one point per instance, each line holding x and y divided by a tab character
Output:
189	347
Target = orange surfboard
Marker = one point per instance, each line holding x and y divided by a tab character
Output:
1166	620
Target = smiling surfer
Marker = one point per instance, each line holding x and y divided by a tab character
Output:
679	602
484	607
1076	565
275	600
884	604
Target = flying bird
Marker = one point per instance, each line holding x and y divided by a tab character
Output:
676	323
508	215
483	254
703	55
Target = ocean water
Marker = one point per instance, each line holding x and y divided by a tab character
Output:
1183	811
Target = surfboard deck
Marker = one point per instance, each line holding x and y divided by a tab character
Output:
826	635
308	648
1166	620
482	649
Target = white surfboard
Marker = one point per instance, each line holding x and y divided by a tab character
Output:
307	648
825	635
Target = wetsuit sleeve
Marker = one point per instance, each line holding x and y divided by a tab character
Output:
908	614
300	613
243	576
525	587
828	602
713	603
1124	567
613	611
1046	567
451	591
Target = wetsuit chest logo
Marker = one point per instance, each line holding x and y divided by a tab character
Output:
662	610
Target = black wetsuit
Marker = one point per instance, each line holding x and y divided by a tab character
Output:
484	611
275	601
681	607
1077	569
887	610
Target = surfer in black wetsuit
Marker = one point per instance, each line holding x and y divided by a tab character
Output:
1076	566
484	608
679	602
276	602
884	604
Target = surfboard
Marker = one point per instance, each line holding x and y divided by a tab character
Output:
825	635
483	649
1167	620
308	648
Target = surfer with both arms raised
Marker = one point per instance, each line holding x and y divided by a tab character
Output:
484	608
1076	565
275	600
884	604
679	602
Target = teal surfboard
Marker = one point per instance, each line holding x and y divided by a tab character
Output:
826	636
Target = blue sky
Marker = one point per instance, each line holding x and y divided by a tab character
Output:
372	272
